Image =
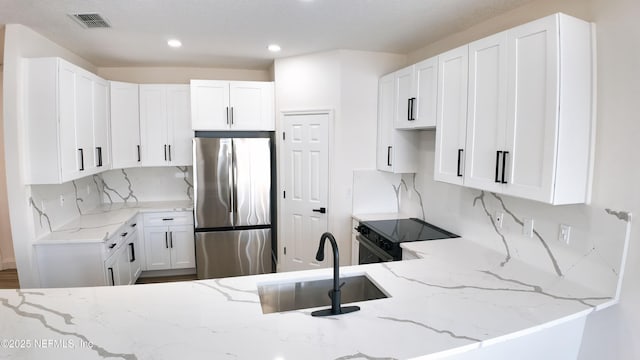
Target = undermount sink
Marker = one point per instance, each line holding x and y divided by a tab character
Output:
304	294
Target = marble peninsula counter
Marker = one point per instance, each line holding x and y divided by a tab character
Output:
452	302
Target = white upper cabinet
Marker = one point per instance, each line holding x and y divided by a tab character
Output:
451	115
67	121
397	150
125	125
416	92
232	105
487	112
164	125
529	126
549	120
101	141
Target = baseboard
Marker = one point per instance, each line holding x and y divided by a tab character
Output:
176	272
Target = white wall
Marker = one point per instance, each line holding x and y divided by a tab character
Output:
611	333
7	259
179	75
22	42
346	82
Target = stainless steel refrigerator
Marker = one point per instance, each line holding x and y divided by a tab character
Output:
232	206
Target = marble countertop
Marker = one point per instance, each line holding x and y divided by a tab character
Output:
99	224
379	216
457	297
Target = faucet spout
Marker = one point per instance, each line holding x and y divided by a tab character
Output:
334	294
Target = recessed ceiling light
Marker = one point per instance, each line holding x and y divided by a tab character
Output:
174	43
274	48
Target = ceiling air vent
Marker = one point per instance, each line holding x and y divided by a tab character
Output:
91	21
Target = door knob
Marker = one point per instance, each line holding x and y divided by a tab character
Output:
321	210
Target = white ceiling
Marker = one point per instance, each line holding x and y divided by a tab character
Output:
235	33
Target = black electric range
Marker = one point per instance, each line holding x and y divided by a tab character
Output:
380	240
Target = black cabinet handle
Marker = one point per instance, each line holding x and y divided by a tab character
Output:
169	152
388	155
321	210
232	115
166	239
171	239
124	234
167	219
99	155
134	224
113	280
498	153
227	115
459	161
81	159
409	109
133	253
165	152
504	165
112	245
412	115
138	146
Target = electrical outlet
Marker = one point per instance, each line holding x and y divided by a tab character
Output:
498	219
527	227
61	200
564	233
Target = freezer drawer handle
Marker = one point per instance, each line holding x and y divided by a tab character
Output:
321	210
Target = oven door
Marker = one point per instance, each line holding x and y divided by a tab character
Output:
369	253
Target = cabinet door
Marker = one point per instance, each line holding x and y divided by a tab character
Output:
487	113
123	268
209	105
111	271
101	147
532	109
403	117
180	151
69	153
84	123
425	83
452	115
251	105
134	253
182	245
386	101
125	125
153	125
156	248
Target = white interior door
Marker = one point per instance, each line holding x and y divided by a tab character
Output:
305	177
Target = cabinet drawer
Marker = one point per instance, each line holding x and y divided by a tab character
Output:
169	218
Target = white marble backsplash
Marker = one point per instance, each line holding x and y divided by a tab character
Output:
148	184
56	205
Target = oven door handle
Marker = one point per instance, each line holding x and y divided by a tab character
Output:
373	248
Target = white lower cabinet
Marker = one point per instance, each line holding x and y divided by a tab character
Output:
169	246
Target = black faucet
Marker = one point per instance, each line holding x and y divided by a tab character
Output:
334	294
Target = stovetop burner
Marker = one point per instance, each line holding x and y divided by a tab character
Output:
405	230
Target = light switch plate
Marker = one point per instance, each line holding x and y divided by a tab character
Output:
564	233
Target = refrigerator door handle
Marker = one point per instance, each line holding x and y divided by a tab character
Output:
234	179
231	181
